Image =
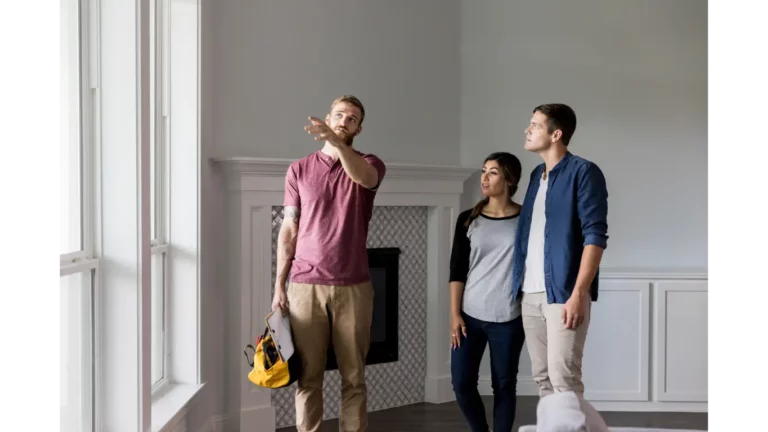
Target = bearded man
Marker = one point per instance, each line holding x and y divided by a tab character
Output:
322	244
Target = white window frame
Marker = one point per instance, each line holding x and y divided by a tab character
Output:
160	242
178	124
88	170
164	380
84	260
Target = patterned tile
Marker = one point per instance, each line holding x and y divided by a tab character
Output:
391	384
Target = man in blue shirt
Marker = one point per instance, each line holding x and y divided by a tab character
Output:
561	235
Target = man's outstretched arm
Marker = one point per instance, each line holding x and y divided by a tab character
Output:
357	168
365	173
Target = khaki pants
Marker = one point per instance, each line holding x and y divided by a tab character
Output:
343	313
556	352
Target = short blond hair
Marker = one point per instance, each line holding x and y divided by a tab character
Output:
352	100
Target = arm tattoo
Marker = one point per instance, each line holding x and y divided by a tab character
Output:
292	213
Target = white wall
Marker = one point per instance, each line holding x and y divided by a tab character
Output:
276	63
635	71
213	279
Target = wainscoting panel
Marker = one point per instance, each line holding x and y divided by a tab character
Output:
681	341
392	384
616	352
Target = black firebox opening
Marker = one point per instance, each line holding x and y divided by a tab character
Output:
384	268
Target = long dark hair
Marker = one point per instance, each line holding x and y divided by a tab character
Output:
511	169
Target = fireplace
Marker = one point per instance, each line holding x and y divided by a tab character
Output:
384	268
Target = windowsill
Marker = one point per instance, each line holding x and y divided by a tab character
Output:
169	405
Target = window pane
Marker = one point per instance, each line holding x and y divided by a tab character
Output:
158	305
76	365
152	122
70	237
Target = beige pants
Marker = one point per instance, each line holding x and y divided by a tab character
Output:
556	352
319	313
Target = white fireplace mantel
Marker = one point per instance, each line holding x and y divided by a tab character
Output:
254	186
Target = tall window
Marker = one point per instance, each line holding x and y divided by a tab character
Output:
159	190
78	268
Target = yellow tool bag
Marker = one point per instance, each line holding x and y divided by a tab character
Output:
275	364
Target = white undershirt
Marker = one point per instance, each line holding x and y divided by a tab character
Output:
533	281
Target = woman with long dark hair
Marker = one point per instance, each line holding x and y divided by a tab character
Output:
482	310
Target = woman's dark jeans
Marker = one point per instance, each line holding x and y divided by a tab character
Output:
506	342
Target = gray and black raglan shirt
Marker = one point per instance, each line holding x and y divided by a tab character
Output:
482	258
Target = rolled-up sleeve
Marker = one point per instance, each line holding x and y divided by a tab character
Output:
381	169
592	206
292	198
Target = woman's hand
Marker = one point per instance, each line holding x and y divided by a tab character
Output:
458	328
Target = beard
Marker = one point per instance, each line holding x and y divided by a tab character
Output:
345	136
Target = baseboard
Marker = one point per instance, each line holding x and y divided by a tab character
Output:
261	418
651	406
525	386
438	389
215	424
258	419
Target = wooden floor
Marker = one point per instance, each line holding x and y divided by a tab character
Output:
447	418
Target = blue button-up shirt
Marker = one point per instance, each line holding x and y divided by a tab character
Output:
577	211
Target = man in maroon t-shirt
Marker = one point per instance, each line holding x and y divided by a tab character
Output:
322	244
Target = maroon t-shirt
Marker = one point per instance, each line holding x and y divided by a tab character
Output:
331	246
